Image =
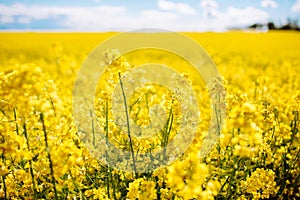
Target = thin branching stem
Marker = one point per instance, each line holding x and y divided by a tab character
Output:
128	125
109	169
93	129
4	187
76	186
15	116
30	163
166	133
49	155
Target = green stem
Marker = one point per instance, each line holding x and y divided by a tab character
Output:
15	116
93	129
106	153
52	105
109	170
91	180
30	163
3	177
223	185
128	125
219	119
170	127
76	186
112	183
49	155
4	187
167	132
283	185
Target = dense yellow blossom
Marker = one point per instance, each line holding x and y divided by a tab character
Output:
142	189
261	184
257	156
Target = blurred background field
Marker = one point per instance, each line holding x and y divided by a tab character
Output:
233	52
280	43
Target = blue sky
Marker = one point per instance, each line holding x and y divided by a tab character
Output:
121	15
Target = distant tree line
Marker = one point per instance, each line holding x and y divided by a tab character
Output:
290	25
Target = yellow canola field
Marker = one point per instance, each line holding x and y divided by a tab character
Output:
256	157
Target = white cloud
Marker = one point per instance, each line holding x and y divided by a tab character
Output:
96	17
244	17
4	19
93	18
235	18
268	4
209	8
181	8
296	6
24	20
118	18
